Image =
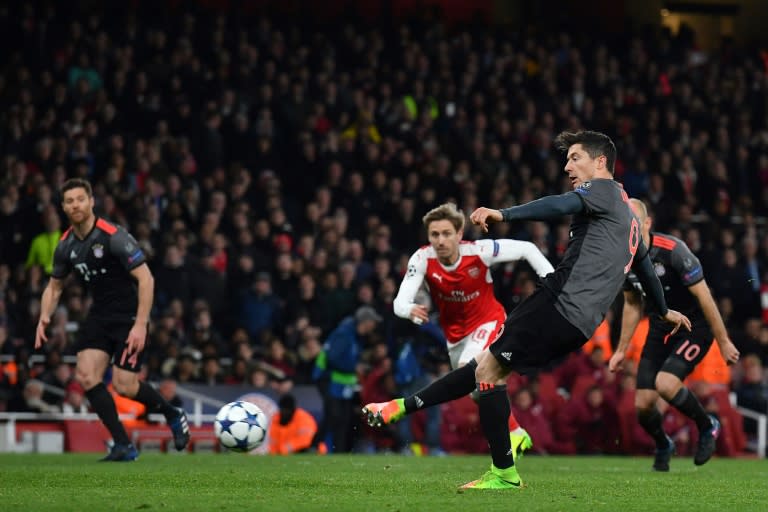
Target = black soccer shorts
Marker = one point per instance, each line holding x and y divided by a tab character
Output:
536	336
678	354
109	335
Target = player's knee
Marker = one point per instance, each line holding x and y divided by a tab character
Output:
86	379
489	370
643	406
126	386
645	401
667	385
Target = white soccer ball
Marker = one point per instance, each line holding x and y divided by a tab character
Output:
240	426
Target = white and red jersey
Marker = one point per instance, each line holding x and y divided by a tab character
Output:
463	292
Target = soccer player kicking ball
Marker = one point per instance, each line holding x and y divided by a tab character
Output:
457	275
667	360
561	315
111	265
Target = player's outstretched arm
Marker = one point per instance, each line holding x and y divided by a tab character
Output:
513	250
546	208
48	303
727	349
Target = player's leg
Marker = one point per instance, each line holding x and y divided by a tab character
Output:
494	408
468	349
450	386
89	371
125	379
534	319
686	354
649	417
94	351
655	351
127	384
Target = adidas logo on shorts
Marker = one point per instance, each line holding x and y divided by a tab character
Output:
507	355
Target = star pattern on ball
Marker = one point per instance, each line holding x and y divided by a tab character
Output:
241	426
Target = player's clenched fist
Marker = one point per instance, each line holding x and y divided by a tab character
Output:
484	216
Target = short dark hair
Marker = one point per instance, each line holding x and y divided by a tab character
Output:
287	401
594	143
73	183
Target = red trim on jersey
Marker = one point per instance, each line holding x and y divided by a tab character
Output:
664	243
65	234
106	227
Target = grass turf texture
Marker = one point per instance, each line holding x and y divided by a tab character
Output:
381	483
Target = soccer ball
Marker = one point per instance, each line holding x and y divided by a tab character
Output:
240	426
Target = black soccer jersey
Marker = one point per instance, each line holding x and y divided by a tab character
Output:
102	261
603	239
677	268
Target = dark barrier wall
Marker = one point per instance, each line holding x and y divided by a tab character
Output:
307	398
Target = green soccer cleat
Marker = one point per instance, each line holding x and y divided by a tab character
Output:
496	479
521	441
384	413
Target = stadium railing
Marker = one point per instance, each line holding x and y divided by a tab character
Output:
9	428
759	444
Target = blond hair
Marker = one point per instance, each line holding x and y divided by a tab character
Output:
446	211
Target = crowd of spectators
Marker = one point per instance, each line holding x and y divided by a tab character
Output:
275	174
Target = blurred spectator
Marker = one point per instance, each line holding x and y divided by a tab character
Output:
592	422
74	400
56	379
377	384
185	369
131	412
33	398
752	391
306	354
410	375
258	378
259	307
205	334
278	357
167	389
43	245
173	279
238	375
292	429
531	414
210	371
337	368
460	430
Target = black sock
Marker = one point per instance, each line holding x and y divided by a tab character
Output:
104	405
493	404
154	401
652	423
687	403
452	385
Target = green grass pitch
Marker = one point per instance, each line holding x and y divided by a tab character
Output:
377	483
